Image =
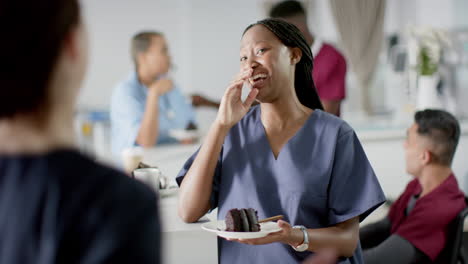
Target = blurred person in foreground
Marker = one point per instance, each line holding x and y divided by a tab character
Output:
329	73
415	230
56	205
147	105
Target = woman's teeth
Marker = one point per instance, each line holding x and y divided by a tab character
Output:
257	77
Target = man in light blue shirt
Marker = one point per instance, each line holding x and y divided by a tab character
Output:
147	105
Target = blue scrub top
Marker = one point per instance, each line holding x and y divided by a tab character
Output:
321	177
128	106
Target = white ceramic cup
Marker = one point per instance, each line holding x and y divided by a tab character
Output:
149	176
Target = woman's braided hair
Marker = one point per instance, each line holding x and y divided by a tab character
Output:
290	36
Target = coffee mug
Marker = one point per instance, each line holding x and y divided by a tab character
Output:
149	176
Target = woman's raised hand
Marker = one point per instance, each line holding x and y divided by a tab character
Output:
232	109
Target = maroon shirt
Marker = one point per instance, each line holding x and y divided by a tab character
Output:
427	224
329	73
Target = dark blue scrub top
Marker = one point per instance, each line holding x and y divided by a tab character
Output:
62	207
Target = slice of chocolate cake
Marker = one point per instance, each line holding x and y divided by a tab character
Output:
253	220
242	220
233	222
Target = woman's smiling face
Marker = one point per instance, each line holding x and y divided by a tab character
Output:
272	62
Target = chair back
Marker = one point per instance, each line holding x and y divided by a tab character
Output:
453	252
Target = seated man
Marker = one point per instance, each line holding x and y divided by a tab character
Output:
147	105
415	229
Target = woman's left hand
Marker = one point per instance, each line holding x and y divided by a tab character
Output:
284	236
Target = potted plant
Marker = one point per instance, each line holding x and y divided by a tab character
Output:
426	47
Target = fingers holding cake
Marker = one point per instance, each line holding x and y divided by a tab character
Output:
284	236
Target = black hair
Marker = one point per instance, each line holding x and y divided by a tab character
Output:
442	129
287	9
141	43
292	37
33	34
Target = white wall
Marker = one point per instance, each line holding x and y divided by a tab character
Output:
212	36
434	13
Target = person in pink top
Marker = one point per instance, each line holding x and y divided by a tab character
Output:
329	71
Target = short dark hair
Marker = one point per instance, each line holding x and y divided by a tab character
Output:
292	37
287	8
141	43
443	129
33	34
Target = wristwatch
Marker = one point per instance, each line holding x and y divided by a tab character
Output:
305	245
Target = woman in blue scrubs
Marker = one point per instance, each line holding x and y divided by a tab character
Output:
284	156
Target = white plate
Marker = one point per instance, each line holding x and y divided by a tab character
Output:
219	228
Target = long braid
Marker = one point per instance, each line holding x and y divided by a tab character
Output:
291	36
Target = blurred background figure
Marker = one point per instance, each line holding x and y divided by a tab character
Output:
147	105
329	70
416	228
57	205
